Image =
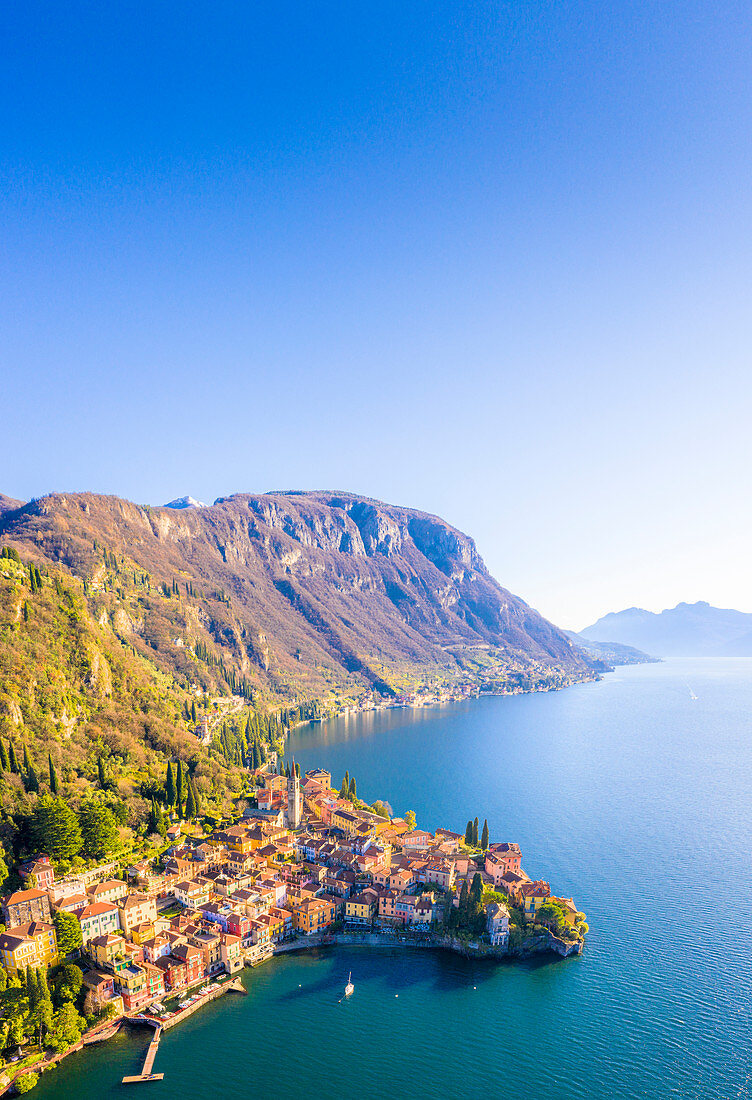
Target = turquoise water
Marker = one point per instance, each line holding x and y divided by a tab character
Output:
626	794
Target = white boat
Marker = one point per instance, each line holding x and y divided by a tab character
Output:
349	988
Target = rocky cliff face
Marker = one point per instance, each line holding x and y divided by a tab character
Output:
302	593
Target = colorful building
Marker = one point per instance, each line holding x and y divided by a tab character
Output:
32	944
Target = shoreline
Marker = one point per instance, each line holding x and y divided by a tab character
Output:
539	945
356	708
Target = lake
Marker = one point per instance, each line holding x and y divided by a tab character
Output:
629	795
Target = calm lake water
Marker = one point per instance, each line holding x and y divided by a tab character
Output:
628	795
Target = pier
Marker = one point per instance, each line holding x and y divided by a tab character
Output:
146	1074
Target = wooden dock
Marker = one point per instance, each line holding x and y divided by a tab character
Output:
146	1074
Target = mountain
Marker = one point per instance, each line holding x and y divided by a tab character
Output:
687	630
612	653
8	504
294	596
185	502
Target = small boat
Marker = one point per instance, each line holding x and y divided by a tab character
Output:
349	988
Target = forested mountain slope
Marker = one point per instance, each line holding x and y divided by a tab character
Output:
291	596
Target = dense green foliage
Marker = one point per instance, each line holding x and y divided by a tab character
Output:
88	725
68	932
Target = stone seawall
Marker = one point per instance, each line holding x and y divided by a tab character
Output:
540	944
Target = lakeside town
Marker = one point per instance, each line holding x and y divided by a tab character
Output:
308	865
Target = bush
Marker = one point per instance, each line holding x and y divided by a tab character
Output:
26	1082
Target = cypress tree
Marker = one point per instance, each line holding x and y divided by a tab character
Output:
54	785
169	786
31	781
464	898
4	762
476	890
13	761
196	801
344	791
190	803
469	834
101	773
194	716
353	789
484	835
475	833
179	785
26	761
44	989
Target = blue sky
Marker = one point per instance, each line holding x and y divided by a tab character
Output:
488	260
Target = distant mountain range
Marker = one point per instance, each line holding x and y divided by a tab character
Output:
687	630
612	653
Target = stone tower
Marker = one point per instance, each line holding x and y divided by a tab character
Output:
294	800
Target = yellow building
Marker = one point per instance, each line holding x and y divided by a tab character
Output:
104	950
312	915
32	944
361	908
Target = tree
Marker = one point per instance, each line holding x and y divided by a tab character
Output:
68	981
475	833
68	932
26	1082
4	762
101	773
476	890
484	836
41	1015
469	834
55	829
67	1027
31	780
3	868
179	791
169	786
194	716
463	909
353	789
410	820
44	989
54	785
99	829
196	800
344	791
190	803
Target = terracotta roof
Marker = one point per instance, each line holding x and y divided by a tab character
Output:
96	909
21	896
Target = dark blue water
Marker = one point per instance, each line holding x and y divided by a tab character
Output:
628	795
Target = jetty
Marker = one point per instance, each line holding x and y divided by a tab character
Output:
146	1073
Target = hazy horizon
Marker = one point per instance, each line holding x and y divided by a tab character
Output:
488	262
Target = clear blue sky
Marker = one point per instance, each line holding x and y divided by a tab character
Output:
490	260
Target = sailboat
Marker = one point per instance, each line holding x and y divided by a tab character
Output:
349	988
